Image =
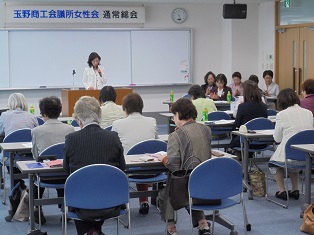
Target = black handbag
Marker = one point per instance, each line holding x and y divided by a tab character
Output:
178	185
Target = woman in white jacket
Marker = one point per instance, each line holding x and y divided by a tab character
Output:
291	120
94	76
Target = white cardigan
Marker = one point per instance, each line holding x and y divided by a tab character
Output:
289	122
92	79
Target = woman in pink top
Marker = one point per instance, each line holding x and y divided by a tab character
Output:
236	86
308	90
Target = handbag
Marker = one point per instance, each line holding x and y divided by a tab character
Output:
308	220
257	180
178	185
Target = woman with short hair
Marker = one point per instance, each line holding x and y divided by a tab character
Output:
221	90
17	117
308	90
289	121
110	111
189	139
200	102
210	82
236	86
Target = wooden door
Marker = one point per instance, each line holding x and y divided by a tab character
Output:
296	55
288	58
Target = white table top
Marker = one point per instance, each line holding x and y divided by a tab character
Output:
259	133
309	148
18	146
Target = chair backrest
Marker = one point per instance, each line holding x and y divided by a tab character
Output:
271	112
108	128
216	178
98	186
148	146
40	121
20	135
260	123
218	115
74	123
187	96
303	137
56	149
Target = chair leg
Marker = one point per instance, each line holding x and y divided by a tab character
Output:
271	200
213	224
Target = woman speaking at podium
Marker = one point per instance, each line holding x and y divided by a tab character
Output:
94	77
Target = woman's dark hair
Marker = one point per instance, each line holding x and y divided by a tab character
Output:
185	109
254	78
308	86
206	76
91	57
268	72
196	92
107	93
221	78
287	98
251	92
50	107
132	103
237	75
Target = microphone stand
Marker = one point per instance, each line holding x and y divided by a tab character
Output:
73	73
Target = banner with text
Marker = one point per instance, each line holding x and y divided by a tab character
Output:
73	14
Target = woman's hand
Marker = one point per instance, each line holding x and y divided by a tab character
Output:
214	96
161	157
91	88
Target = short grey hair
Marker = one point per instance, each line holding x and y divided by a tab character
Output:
87	110
17	100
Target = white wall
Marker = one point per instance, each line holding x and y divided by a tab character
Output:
219	45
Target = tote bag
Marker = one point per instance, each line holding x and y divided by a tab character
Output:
308	220
257	181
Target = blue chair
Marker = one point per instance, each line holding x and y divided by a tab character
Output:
223	180
53	150
40	121
148	146
216	116
93	187
108	128
20	135
187	96
303	137
258	124
74	123
271	112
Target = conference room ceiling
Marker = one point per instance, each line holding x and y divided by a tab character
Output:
146	1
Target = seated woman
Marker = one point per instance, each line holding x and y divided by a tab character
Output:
251	108
236	86
240	99
51	132
210	82
134	129
179	150
308	90
221	90
289	121
109	110
91	145
17	116
200	102
269	88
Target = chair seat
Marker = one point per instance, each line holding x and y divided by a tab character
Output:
73	215
47	185
225	203
156	179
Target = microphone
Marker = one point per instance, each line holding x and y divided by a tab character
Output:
99	71
73	72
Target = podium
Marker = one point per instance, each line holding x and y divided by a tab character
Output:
69	98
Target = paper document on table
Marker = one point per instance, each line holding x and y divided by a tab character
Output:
266	132
223	121
28	145
160	153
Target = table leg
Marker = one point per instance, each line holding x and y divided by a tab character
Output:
11	164
245	160
31	201
308	167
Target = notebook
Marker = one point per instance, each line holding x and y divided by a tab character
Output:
55	163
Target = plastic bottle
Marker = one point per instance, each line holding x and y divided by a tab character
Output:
205	115
229	97
171	96
32	109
